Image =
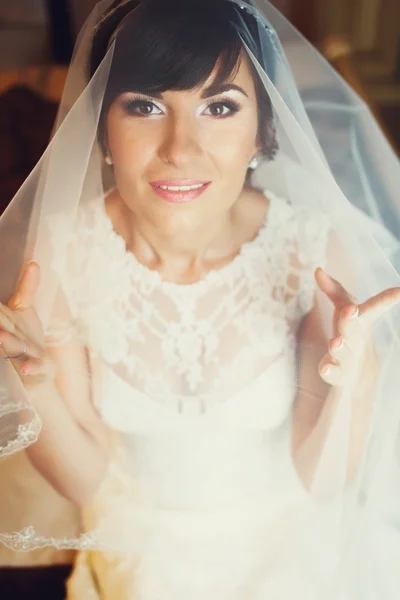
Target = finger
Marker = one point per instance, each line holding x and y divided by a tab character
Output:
6	319
25	291
351	328
378	305
337	349
338	372
341	354
9	323
37	367
12	346
333	289
330	372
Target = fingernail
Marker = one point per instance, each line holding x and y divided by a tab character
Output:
340	345
326	370
354	313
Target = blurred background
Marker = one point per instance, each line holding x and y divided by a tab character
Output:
361	38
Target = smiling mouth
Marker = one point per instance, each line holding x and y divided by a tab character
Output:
179	192
181	188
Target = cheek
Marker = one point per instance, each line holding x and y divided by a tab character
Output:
233	153
241	151
124	148
233	144
131	149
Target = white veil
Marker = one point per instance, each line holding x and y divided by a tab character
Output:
332	162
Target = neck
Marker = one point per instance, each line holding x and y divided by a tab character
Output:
187	255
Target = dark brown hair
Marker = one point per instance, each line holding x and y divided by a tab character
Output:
175	45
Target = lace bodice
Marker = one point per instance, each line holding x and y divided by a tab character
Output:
192	347
183	358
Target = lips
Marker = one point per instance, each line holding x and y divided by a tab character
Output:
179	191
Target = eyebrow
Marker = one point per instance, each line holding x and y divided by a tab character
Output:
220	88
213	90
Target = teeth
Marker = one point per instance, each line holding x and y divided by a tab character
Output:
181	188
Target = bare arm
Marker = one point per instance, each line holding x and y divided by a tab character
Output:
72	449
343	396
317	404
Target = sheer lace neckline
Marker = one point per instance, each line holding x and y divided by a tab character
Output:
190	347
220	274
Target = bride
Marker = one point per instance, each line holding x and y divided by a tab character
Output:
194	378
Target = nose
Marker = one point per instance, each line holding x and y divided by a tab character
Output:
181	142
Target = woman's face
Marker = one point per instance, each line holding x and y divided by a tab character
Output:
199	140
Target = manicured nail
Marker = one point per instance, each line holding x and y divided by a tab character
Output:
354	313
339	345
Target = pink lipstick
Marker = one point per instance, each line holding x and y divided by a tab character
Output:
179	191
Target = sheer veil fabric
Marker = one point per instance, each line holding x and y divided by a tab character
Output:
198	383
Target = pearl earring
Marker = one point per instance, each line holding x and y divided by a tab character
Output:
254	163
109	160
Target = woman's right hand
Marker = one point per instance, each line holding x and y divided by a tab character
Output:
21	331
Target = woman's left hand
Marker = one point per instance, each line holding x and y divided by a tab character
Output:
352	326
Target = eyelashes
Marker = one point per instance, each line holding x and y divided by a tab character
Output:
134	107
229	104
143	107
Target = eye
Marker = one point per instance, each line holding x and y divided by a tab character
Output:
222	109
142	108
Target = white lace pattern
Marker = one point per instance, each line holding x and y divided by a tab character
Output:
190	347
26	433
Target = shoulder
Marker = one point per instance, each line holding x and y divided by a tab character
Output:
256	207
79	241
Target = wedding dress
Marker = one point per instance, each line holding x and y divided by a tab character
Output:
213	512
197	383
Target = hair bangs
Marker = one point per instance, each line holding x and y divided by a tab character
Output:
164	45
177	52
